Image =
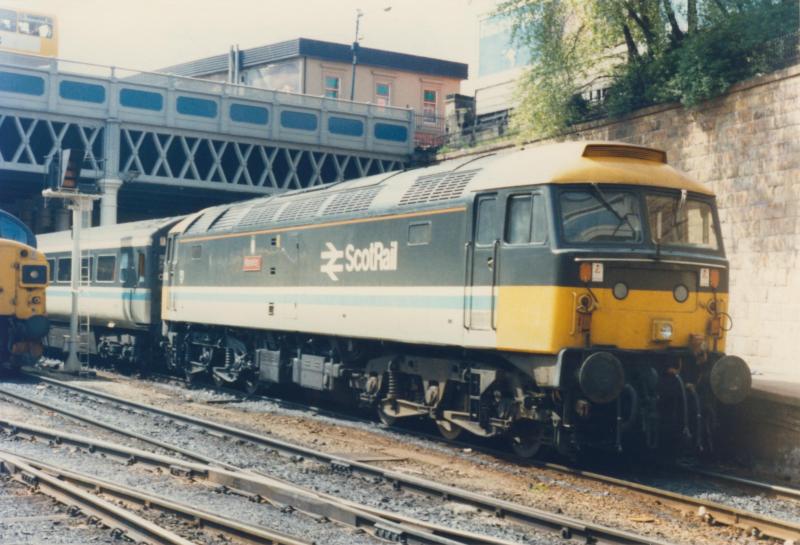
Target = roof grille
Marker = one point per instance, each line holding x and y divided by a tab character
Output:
437	187
302	208
260	214
201	224
230	218
630	152
352	201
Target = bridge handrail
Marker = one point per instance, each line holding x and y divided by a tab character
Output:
51	65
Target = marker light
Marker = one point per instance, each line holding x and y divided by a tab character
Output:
662	330
714	278
586	272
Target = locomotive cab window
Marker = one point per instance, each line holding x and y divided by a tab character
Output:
51	265
525	220
676	220
419	233
486	221
600	215
106	268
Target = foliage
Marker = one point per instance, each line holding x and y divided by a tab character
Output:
641	52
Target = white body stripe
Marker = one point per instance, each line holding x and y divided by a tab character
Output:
429	315
125	307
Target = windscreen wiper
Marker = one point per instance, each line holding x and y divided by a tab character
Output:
613	210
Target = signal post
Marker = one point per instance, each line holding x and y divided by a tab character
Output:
63	183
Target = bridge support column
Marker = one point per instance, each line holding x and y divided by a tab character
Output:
108	202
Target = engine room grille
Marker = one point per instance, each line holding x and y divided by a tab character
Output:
260	214
201	224
352	201
302	209
230	218
437	187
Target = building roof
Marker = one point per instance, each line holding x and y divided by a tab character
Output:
329	51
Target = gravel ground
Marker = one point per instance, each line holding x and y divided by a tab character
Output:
306	473
32	519
538	488
727	494
196	494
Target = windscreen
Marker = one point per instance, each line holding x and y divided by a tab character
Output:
595	215
676	220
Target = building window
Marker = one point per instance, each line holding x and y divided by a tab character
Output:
429	105
332	86
383	94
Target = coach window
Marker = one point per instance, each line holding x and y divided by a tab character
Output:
197	251
106	268
51	264
64	269
485	234
419	233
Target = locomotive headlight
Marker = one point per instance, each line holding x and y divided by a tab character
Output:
620	290
662	330
680	293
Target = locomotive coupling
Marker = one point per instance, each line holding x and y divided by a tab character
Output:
601	377
730	380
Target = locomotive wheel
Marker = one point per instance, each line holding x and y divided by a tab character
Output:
386	418
249	383
526	438
448	430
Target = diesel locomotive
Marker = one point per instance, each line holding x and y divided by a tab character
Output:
566	295
23	279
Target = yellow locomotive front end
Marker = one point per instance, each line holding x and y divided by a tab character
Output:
627	293
23	323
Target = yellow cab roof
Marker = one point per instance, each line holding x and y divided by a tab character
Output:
604	162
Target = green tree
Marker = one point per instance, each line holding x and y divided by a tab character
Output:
642	52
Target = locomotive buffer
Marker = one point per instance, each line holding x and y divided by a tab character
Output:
63	182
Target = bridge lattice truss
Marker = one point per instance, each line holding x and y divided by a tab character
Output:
178	158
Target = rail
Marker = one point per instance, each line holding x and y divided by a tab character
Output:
567	527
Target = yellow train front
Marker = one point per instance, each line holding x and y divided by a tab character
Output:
630	291
23	280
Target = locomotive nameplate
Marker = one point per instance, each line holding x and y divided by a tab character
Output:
251	263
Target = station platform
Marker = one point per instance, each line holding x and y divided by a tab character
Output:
776	387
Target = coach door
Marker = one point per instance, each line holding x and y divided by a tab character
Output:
481	264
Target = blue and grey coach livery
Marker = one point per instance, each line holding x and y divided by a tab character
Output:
566	295
120	287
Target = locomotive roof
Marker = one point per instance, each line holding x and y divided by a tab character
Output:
137	233
449	183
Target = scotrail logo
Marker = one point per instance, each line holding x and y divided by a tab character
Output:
332	266
373	258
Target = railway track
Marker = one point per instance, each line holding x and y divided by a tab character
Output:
753	486
714	513
74	488
568	529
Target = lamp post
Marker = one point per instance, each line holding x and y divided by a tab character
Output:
354	48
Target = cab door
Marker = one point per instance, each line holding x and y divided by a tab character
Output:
482	264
